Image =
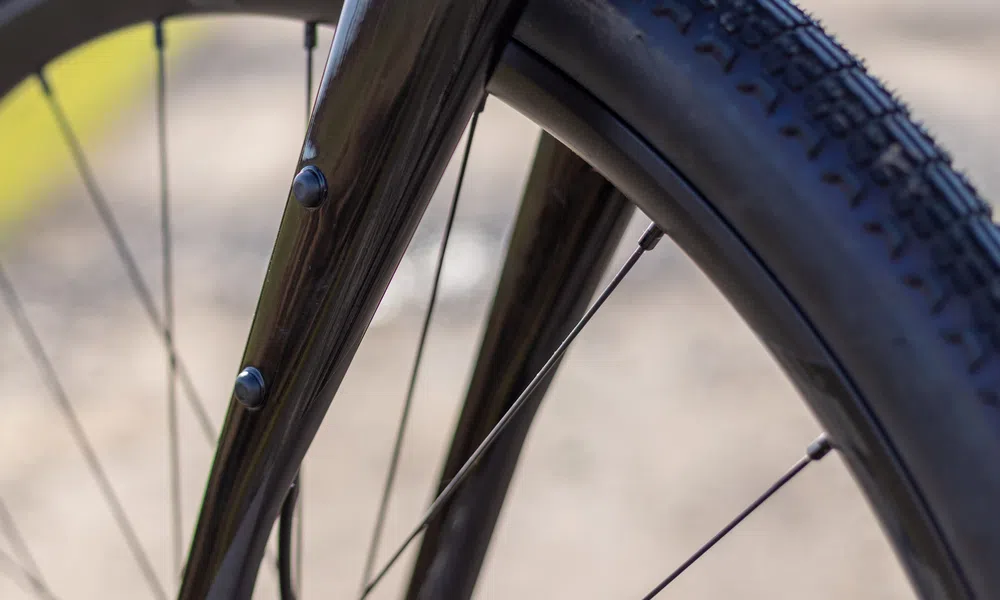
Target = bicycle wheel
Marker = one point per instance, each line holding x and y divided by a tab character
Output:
831	221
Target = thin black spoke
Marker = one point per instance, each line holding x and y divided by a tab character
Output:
404	416
24	577
309	42
310	46
86	448
121	246
816	451
20	547
166	240
647	242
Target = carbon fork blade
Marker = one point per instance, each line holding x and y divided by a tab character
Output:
417	360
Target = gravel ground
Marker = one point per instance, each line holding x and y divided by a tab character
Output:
665	419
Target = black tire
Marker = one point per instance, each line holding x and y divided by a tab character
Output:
888	252
832	221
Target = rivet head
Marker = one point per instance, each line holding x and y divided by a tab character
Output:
249	388
309	187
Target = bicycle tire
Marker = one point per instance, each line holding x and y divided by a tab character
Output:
887	251
875	261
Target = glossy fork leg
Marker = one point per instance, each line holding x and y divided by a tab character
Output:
402	79
570	222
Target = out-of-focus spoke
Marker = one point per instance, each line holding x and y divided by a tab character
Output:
647	242
816	451
121	246
12	533
310	45
34	344
397	447
309	42
166	239
24	577
20	547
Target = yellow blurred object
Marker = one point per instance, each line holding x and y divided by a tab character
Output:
94	83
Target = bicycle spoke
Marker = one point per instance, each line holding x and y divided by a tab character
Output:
34	344
647	242
129	262
816	451
294	501
397	447
25	578
168	300
310	45
24	555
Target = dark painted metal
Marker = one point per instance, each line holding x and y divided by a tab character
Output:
402	79
570	222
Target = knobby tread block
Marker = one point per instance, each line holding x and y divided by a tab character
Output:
937	232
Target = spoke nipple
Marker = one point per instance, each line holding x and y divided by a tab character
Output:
44	82
158	34
309	187
819	448
651	237
249	388
310	35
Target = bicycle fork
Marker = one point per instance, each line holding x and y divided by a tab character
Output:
402	79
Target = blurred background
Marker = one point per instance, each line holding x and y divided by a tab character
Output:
666	418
